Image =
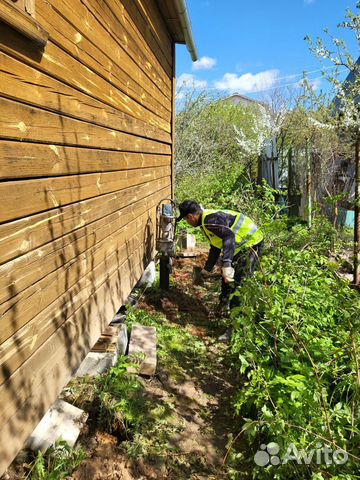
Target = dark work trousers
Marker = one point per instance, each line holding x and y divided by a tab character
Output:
244	264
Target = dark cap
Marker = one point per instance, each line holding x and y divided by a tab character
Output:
188	206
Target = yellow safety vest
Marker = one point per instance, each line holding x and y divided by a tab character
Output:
246	232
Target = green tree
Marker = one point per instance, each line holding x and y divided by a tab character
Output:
208	147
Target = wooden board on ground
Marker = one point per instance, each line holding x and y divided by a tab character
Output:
142	350
187	254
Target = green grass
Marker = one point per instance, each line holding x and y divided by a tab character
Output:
57	463
176	346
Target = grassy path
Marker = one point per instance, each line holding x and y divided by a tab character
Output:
177	422
175	425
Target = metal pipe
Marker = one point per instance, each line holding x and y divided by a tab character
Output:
182	11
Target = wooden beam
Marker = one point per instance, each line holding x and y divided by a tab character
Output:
57	63
53	192
72	336
35	386
30	160
21	122
173	118
29	269
104	50
139	48
141	25
26	234
62	295
27	84
55	269
153	18
22	22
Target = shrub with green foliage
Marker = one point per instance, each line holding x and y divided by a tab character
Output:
207	136
296	345
210	163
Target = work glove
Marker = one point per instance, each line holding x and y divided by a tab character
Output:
228	274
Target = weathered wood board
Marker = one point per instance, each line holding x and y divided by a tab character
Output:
86	154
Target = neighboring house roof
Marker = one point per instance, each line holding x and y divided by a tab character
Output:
237	99
176	16
348	81
351	77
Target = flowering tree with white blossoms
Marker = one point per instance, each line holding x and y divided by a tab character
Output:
267	123
348	102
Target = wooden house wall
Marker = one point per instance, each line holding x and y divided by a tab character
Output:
85	155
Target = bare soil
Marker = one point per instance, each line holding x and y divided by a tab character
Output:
200	398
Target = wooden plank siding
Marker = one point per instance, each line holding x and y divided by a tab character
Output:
86	154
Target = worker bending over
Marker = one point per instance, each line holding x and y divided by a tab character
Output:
231	232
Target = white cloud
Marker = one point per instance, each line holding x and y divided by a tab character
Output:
248	82
205	63
187	80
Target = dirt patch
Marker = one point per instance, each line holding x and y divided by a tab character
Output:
200	399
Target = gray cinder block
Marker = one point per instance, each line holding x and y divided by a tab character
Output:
62	421
97	362
186	241
149	276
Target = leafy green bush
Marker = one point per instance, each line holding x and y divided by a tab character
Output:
296	345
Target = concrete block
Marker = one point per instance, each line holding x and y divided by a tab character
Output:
113	343
96	363
187	241
142	348
118	319
187	254
149	276
123	340
61	422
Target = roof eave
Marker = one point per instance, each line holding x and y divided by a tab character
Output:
182	11
175	14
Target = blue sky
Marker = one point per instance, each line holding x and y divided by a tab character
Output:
255	45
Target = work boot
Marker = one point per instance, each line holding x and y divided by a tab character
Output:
226	337
223	308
